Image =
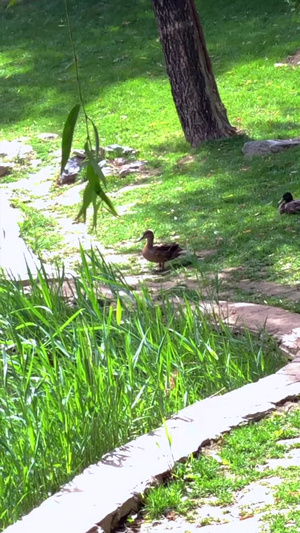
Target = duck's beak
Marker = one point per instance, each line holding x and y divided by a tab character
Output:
281	202
141	238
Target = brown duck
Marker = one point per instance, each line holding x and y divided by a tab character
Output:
159	253
288	205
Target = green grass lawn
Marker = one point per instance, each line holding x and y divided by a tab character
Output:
219	199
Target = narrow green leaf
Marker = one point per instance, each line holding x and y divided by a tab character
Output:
12	3
107	201
88	195
8	449
138	396
71	65
96	206
31	437
97	142
94	182
168	434
67	136
70	319
211	351
92	177
119	311
94	164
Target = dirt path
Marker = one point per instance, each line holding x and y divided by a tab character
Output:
37	191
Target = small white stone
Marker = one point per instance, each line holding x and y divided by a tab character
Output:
48	136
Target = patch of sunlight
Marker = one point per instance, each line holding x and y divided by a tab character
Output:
14	62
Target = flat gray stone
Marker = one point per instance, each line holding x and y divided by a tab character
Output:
13	149
180	525
120	150
71	196
268	147
283	325
48	136
291	459
37	184
289	442
213	512
290	292
255	495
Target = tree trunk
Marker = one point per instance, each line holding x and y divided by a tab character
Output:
201	112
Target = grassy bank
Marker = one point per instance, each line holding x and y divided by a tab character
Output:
77	381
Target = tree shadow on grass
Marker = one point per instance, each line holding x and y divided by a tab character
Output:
115	44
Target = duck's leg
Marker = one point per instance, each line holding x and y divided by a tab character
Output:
162	266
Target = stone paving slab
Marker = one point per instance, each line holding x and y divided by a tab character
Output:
249	525
292	458
268	288
283	325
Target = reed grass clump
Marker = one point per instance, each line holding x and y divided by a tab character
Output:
78	380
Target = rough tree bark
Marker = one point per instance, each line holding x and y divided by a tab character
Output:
201	112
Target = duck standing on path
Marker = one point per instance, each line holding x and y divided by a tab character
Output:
159	253
288	205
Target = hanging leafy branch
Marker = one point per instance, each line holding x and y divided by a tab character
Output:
94	193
